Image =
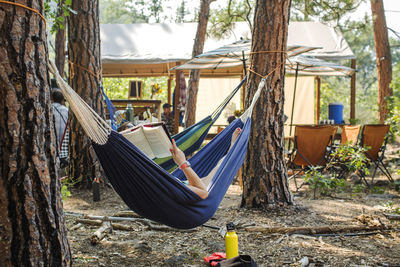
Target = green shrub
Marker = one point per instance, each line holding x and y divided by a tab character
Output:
377	190
359	188
325	184
352	158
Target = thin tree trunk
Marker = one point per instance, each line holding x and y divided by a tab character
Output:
383	57
32	226
85	79
194	76
60	43
265	173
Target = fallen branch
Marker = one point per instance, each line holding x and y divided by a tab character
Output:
127	213
88	221
76	226
105	218
393	217
351	234
100	233
315	230
154	227
117	226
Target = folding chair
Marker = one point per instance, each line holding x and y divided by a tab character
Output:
311	147
350	134
375	136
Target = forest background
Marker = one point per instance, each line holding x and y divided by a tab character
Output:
351	16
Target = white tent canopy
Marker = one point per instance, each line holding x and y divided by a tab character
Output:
152	49
330	39
156	42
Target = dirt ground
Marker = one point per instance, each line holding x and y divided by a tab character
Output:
144	245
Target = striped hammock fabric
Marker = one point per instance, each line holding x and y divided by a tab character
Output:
145	186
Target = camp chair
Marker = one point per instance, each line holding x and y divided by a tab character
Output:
311	147
350	134
375	136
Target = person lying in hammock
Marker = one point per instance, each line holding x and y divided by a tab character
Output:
197	184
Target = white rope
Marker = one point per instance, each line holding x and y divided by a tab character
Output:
249	111
94	126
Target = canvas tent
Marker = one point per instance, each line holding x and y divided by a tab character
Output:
144	50
148	50
140	49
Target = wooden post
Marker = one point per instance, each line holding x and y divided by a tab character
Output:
176	99
169	89
353	91
318	80
243	93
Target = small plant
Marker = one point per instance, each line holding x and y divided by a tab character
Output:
377	190
354	121
391	208
348	159
359	188
65	193
66	184
324	183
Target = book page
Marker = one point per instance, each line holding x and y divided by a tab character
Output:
138	138
159	141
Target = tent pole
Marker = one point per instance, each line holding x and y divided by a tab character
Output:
294	98
176	98
318	80
244	84
244	62
353	91
169	89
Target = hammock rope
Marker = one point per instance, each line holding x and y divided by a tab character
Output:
95	127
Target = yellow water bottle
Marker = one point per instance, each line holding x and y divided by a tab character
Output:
231	242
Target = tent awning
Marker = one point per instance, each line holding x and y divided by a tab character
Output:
307	65
142	50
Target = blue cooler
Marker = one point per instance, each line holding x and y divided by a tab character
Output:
336	112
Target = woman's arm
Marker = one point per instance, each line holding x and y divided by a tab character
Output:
195	183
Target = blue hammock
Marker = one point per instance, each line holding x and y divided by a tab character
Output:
190	139
145	186
158	195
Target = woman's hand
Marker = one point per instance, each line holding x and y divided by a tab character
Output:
177	154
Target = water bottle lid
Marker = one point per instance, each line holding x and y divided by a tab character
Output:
230	226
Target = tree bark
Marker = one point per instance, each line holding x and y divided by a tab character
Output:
383	57
60	43
85	79
194	76
264	173
32	226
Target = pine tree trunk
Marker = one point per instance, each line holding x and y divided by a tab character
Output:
383	57
194	76
264	173
85	74
32	227
60	43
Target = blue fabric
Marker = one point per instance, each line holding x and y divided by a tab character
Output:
111	109
158	195
180	138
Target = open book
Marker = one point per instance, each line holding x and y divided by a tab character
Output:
152	139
